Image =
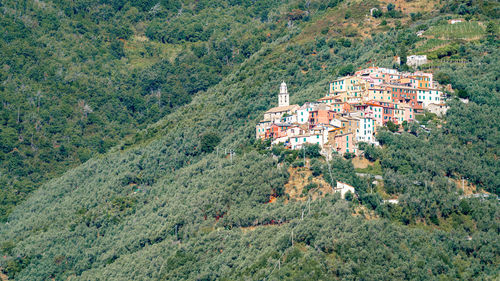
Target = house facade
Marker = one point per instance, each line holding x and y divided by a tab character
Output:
352	110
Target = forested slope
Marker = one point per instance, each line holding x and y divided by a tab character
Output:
163	204
79	76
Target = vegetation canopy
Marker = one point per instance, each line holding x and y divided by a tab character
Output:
117	119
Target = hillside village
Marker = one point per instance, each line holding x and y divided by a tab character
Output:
352	110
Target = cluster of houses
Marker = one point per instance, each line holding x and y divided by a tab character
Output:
352	110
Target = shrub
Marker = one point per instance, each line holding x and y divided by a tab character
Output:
208	142
309	187
346	70
298	163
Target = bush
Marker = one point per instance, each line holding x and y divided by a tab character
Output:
316	167
377	14
208	142
298	163
311	150
371	152
443	78
371	200
309	187
391	126
349	155
346	70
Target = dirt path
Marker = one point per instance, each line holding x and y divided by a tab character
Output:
246	229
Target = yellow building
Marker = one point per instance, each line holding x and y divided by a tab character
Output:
349	88
380	93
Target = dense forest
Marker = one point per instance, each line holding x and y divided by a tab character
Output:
115	116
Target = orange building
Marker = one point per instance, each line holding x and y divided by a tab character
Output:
320	116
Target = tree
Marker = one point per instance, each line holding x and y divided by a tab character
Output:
491	31
391	126
346	70
116	47
405	125
208	142
462	93
371	152
443	78
349	155
377	13
402	54
311	150
8	139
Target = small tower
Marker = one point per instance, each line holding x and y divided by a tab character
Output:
283	97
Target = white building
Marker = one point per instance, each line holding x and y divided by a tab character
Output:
366	130
289	119
428	96
303	112
297	141
416	60
318	137
284	108
437	108
283	96
343	188
295	130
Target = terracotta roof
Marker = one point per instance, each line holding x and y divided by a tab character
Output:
335	129
329	98
282	108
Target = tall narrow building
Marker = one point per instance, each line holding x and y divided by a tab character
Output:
283	97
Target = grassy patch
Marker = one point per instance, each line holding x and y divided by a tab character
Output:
143	53
374	169
431	44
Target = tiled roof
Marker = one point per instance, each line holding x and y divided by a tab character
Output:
283	108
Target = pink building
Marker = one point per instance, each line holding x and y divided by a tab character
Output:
375	111
343	143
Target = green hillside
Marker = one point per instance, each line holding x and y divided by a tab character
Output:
77	78
140	189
